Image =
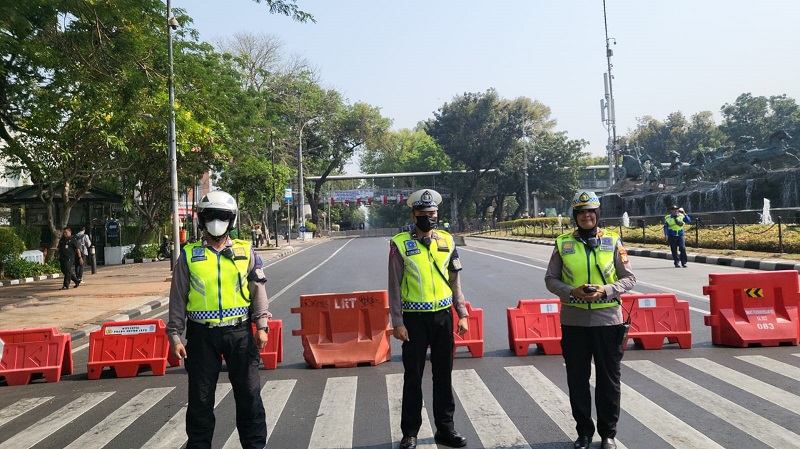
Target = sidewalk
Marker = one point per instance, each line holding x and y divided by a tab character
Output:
113	293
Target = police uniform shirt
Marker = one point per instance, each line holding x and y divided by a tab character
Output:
179	294
575	316
396	271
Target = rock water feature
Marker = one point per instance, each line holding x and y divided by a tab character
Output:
755	193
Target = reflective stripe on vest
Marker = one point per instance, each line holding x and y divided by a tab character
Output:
425	288
581	267
218	286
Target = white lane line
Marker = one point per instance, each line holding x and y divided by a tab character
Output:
275	394
491	423
20	407
777	396
394	391
505	258
276	295
51	424
106	430
173	433
784	369
547	395
737	416
333	427
664	424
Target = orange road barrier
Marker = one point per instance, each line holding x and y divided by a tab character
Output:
473	339
753	309
535	321
28	352
273	351
344	329
655	317
125	346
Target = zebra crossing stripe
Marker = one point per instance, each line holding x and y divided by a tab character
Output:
275	394
105	431
757	426
777	396
784	369
664	424
173	433
491	423
394	391
333	427
546	394
58	419
20	407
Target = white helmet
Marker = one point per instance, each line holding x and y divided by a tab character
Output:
217	205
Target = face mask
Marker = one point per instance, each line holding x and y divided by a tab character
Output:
217	228
425	223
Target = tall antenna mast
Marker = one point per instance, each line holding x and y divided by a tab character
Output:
607	105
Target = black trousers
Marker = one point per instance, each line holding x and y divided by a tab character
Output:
67	268
580	345
678	242
434	329
204	348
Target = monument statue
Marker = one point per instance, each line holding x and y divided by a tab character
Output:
727	178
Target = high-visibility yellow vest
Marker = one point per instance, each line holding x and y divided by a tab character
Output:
594	267
218	286
425	286
674	224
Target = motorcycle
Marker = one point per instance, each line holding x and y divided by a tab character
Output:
165	250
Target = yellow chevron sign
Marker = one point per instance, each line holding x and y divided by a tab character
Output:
754	292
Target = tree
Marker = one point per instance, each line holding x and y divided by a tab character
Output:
70	82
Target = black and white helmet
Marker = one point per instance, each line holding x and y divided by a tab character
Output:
217	205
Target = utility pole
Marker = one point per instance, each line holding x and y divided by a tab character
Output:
607	105
525	168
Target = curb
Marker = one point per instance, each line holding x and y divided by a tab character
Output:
10	282
739	262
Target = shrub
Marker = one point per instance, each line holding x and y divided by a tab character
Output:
11	246
30	235
21	268
143	252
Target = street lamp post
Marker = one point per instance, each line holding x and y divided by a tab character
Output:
172	24
301	209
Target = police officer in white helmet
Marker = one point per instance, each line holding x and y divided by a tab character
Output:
424	287
589	270
218	290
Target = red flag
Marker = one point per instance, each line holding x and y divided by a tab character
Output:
385	199
358	201
399	198
333	202
346	202
369	201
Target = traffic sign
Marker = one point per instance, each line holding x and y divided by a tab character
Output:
287	194
302	229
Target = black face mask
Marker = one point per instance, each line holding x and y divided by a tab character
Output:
425	223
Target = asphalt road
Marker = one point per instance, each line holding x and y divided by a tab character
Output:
703	397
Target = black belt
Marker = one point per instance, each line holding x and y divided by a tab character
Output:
234	322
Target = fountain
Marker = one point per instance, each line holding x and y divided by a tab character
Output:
766	218
626	221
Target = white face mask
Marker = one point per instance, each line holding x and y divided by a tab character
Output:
217	228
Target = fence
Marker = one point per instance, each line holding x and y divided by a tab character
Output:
778	237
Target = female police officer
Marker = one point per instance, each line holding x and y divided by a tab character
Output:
589	270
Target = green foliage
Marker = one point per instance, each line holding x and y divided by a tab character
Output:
143	252
11	246
31	235
310	227
21	268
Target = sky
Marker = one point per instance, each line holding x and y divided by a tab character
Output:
410	57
